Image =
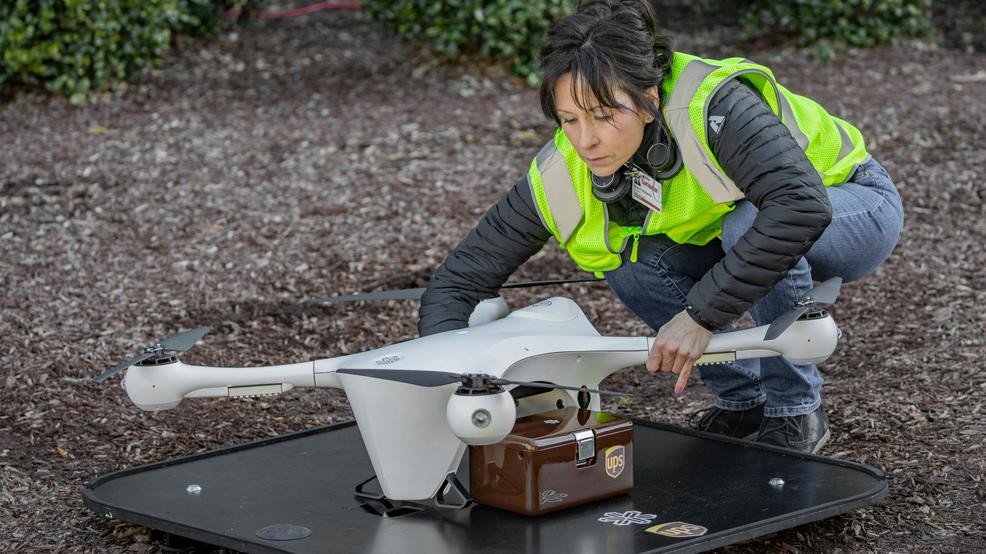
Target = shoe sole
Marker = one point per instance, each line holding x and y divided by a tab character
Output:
822	441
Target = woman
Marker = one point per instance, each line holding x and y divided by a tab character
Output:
701	189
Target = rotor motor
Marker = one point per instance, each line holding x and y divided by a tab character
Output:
479	419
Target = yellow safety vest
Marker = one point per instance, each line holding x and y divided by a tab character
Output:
695	201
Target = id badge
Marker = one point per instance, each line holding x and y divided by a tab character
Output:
646	190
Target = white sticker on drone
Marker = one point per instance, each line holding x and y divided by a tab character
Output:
552	421
387	360
626	518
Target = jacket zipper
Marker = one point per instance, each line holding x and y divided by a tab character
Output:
635	233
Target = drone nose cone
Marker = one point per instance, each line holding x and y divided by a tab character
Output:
481	419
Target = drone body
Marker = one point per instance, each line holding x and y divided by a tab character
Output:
415	425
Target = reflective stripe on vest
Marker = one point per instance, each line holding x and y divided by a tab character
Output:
566	212
693	144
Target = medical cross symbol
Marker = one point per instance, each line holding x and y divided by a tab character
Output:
626	518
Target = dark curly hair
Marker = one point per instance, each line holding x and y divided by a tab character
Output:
606	45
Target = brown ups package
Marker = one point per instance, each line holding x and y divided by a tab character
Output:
554	460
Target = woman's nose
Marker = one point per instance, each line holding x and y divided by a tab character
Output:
588	138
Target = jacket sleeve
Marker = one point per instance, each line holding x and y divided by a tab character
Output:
508	234
758	152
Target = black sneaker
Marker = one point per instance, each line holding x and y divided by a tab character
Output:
742	424
804	433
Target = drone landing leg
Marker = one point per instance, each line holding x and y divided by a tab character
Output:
378	504
450	488
362	493
451	495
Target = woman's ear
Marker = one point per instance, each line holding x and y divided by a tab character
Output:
655	100
652	94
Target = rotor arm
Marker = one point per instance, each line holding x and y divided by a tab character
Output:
804	341
162	387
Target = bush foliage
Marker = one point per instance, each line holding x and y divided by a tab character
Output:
74	47
840	22
510	30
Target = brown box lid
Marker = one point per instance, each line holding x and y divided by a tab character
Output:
553	428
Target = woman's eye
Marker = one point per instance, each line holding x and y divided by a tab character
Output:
602	117
567	121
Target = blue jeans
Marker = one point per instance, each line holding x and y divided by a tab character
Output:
866	222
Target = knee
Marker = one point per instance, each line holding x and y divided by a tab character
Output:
737	222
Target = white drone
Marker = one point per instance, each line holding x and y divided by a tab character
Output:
419	403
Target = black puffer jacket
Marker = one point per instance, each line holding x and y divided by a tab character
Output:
755	150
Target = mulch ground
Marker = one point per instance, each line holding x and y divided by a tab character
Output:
320	155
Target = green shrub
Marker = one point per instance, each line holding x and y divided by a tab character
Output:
839	22
509	30
74	47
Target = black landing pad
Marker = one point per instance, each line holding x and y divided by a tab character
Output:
299	487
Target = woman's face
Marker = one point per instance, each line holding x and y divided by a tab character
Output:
605	138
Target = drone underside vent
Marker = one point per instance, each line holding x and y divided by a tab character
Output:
255	391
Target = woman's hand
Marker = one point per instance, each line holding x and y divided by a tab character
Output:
679	343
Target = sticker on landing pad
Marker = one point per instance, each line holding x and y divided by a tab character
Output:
678	530
626	518
550	496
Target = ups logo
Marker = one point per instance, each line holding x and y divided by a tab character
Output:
615	461
678	530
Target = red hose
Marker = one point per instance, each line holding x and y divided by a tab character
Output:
301	10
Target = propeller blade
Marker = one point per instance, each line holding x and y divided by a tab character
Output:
825	293
183	341
527	284
420	377
554	386
782	323
415	294
113	371
427	378
177	343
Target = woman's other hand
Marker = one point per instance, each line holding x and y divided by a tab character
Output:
679	343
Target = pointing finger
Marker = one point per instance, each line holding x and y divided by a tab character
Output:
679	386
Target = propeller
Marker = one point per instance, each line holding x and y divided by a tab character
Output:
415	294
825	293
472	381
175	343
